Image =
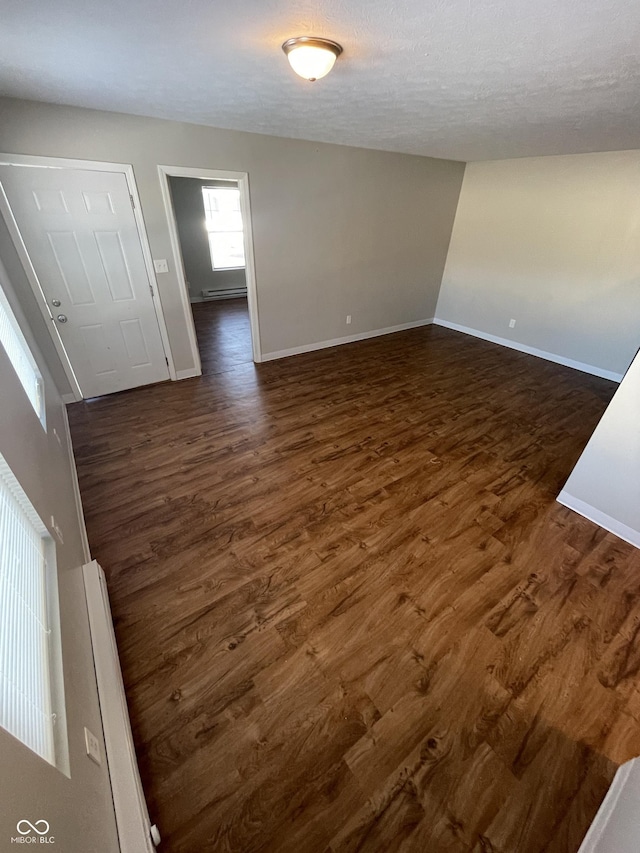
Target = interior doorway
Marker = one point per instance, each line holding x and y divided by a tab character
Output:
210	224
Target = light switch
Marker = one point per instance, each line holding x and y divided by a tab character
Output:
161	265
93	747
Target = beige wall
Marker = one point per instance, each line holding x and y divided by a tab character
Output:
186	194
337	230
553	242
79	809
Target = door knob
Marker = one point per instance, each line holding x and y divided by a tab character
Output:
56	303
61	318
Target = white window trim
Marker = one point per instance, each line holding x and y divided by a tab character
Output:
35	397
215	231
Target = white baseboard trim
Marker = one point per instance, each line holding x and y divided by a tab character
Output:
69	398
348	339
623	531
189	373
607	813
539	353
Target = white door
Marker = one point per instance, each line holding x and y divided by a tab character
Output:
80	233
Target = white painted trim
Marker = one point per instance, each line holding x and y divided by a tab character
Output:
34	161
189	373
151	273
178	265
607	809
68	398
250	267
242	179
348	339
601	518
37	161
202	174
539	353
76	488
132	816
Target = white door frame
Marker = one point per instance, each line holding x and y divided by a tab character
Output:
242	179
91	166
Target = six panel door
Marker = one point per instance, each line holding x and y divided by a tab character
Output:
81	235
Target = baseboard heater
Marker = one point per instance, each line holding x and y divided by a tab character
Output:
135	833
227	293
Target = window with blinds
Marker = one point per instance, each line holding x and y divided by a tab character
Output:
16	347
25	636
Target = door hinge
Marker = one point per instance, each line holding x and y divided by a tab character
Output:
151	289
133	204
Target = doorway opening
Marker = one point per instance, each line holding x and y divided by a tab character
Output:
209	218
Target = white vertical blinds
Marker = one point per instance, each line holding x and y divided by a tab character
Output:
19	355
25	689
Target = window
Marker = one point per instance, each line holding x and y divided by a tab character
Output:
27	556
16	347
223	221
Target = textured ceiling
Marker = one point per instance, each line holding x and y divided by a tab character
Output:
466	79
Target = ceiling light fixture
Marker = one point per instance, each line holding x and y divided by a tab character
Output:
311	58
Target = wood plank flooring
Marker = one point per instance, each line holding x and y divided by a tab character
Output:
224	334
351	615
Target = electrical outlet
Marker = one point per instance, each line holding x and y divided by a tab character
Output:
512	323
348	319
93	746
161	265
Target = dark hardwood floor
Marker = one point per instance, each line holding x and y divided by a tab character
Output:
224	334
351	615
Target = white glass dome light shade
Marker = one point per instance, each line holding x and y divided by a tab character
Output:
311	58
311	62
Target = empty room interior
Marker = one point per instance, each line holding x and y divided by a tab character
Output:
319	445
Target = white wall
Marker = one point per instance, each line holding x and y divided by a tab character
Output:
79	809
553	242
616	828
605	483
337	230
